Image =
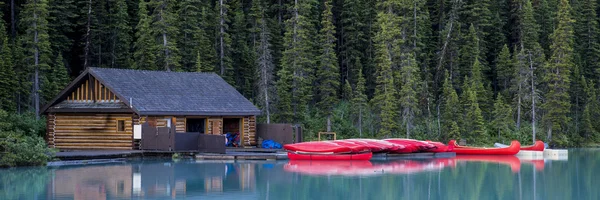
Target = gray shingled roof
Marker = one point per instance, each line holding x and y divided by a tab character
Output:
175	93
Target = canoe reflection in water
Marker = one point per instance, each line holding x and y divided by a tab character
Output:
365	168
368	168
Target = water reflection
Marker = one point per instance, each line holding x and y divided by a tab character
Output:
457	178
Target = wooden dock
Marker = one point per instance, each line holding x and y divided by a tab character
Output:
231	154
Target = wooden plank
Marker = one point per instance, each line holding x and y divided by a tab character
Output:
128	144
91	147
91	134
60	140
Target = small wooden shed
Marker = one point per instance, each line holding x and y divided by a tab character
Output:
101	108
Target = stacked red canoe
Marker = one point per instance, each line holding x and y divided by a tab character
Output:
359	149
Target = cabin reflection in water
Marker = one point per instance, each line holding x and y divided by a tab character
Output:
155	179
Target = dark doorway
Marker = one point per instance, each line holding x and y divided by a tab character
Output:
196	125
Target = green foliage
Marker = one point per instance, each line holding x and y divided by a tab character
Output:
144	46
557	74
56	80
504	68
328	71
410	79
21	143
502	119
296	75
297	59
120	36
163	27
452	112
474	123
8	82
60	22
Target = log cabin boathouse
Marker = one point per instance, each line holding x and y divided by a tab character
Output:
104	108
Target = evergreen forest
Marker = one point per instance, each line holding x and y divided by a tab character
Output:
481	70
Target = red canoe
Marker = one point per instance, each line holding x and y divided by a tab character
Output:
510	150
372	147
319	147
439	147
383	145
308	156
411	146
354	147
538	146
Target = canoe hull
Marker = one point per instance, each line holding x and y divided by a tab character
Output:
359	156
537	146
317	147
510	150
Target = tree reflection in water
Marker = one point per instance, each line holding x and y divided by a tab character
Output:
458	178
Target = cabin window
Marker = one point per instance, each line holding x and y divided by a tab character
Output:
196	125
120	125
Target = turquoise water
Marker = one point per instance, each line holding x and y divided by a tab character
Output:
458	178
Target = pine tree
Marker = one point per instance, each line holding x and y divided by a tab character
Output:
359	100
478	85
591	113
34	18
120	36
242	55
347	91
587	44
56	80
557	74
60	23
224	63
264	60
410	77
469	52
477	14
474	122
328	71
504	68
164	30
205	37
189	17
7	74
452	111
145	45
502	119
297	67
545	17
353	24
529	29
387	52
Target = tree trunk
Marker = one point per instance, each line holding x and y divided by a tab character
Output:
36	57
360	122
86	56
13	29
532	98
221	34
438	120
407	129
329	123
519	107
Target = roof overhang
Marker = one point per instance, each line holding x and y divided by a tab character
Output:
194	113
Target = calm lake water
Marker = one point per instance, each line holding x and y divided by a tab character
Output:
457	178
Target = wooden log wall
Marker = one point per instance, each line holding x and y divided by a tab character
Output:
249	126
215	126
94	131
92	91
161	121
50	126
